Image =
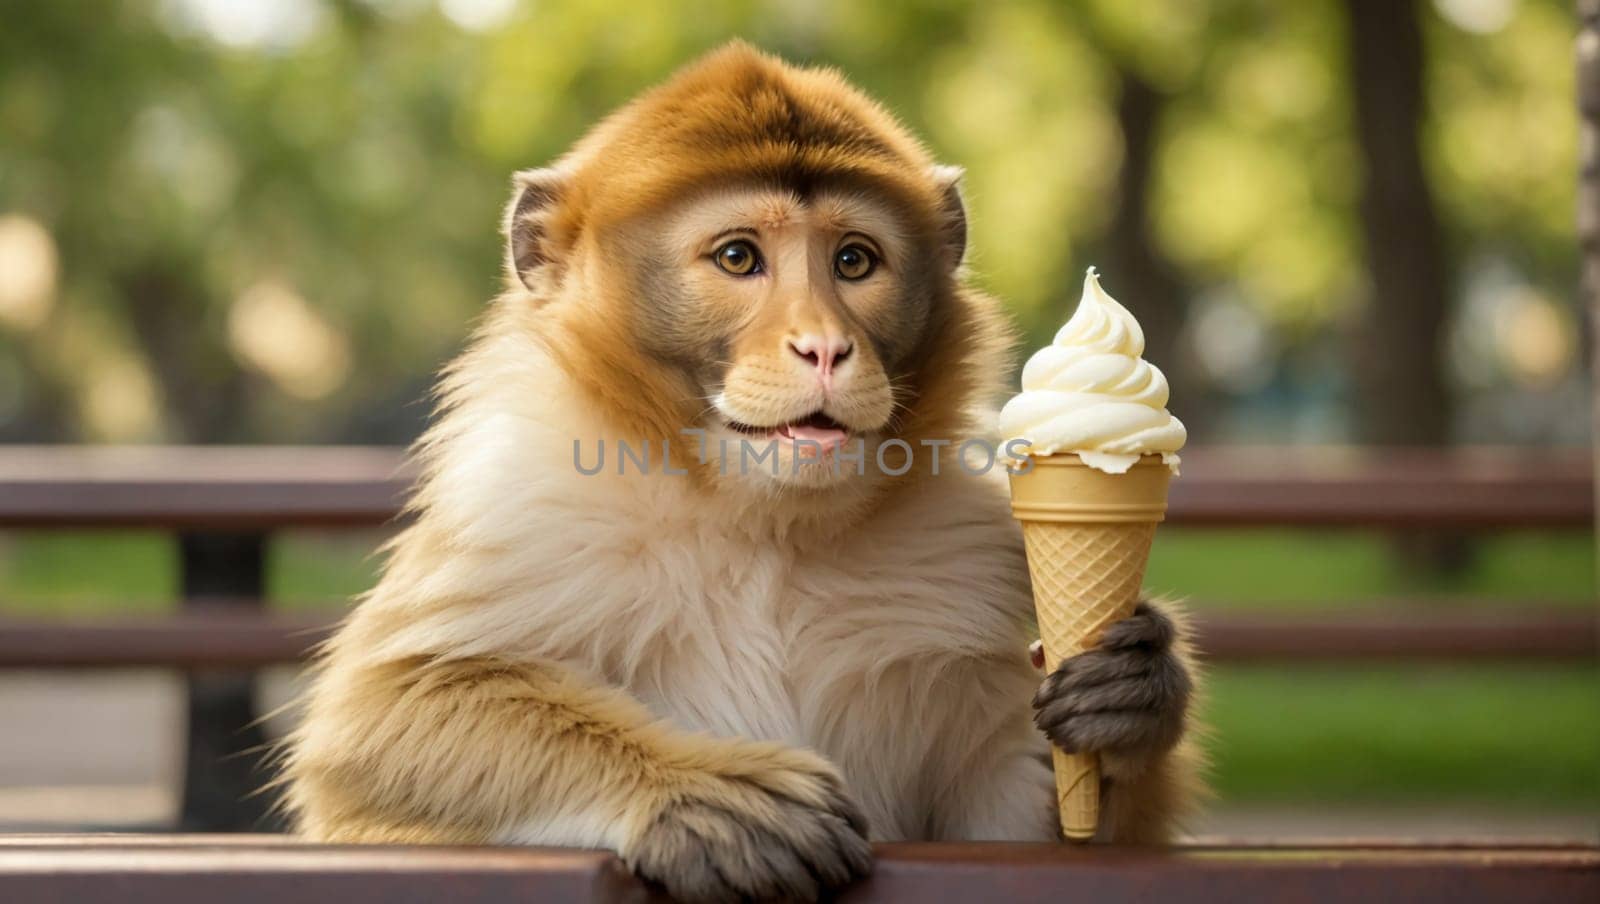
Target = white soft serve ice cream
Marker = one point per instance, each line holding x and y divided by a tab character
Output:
1090	393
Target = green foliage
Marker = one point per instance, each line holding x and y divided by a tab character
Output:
341	186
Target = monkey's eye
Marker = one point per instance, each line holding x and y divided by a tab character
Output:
854	262
738	258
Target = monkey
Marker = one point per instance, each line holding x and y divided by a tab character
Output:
735	678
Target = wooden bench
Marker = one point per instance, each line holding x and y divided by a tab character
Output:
243	636
257	489
224	503
271	870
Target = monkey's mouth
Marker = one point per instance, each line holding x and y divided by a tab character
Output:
816	428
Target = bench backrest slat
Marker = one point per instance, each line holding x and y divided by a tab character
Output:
264	488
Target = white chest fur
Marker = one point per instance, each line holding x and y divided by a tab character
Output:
720	663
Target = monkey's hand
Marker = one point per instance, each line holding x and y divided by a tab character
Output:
1127	700
778	828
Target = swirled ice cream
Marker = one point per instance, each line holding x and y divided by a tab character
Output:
1089	392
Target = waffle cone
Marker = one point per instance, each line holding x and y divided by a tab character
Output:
1088	536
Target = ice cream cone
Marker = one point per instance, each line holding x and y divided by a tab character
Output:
1088	536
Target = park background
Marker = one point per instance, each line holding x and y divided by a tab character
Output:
1350	222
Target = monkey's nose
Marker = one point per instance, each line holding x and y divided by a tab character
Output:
822	352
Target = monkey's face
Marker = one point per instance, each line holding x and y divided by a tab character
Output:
763	253
792	316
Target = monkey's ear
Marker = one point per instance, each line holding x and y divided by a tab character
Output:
952	212
530	247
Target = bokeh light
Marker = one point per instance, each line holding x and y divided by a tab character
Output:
28	272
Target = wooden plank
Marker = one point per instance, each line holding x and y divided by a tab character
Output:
175	870
236	488
36	840
275	872
263	488
1451	489
1052	873
228	637
1512	631
238	638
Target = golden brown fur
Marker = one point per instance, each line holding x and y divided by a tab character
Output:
723	677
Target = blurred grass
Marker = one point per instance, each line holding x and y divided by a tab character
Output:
82	573
309	569
85	572
1511	734
1245	569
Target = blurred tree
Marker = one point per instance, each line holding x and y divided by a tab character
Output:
1398	363
1399	349
1588	65
1128	248
271	220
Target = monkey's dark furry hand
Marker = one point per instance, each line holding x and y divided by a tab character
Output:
779	835
1127	697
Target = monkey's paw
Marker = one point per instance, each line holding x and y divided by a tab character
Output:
790	835
1129	697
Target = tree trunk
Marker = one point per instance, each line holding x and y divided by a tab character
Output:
1589	192
1135	268
202	386
1401	391
1131	260
1396	360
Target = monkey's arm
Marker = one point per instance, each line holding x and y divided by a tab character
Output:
993	780
486	750
1144	803
1009	797
1128	701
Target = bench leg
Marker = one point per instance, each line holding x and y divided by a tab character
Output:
224	743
